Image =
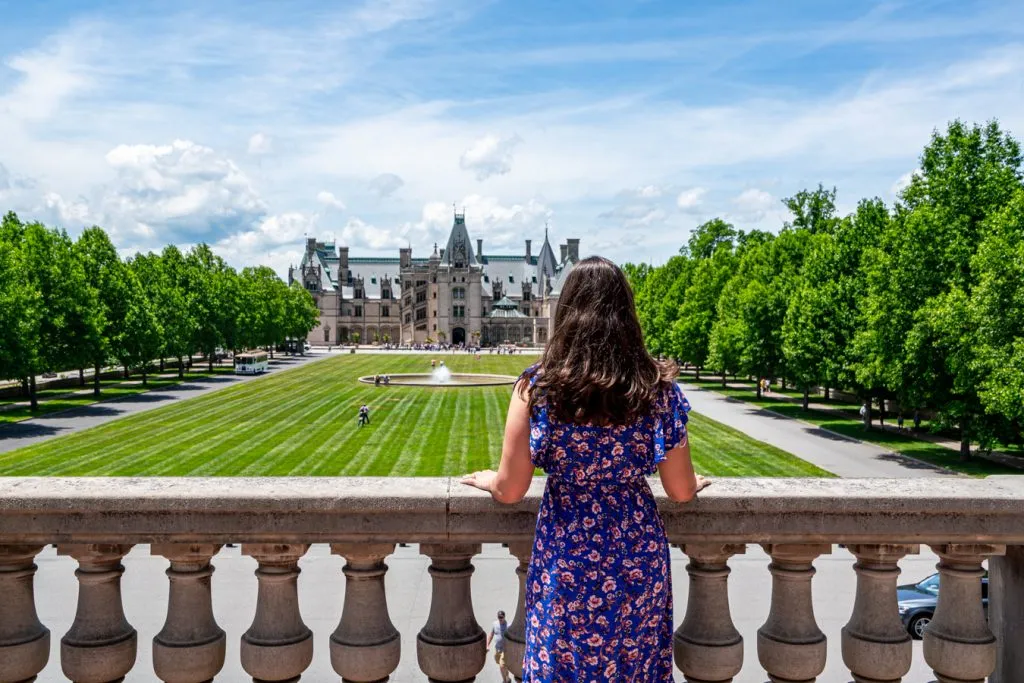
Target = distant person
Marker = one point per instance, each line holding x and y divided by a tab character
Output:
433	363
497	635
376	380
599	415
899	422
387	380
364	415
917	420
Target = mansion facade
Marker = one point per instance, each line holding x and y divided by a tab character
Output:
458	295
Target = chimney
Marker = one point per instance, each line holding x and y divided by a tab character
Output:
343	257
404	257
527	250
310	245
479	248
563	249
574	249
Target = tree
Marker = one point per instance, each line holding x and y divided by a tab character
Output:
105	274
692	328
708	237
173	313
813	210
20	305
139	338
302	314
203	300
805	347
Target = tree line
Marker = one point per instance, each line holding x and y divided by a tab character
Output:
74	304
920	303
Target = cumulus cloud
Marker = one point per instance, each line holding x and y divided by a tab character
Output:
692	199
260	144
328	199
903	181
752	205
386	184
644	192
277	241
181	191
490	156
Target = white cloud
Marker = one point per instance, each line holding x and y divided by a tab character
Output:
903	181
751	205
644	192
260	144
692	199
490	156
386	184
183	190
328	199
276	241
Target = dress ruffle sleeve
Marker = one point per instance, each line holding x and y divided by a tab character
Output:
670	427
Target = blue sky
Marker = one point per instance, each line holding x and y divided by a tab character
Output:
249	125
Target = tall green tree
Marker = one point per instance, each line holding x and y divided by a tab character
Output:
174	313
105	275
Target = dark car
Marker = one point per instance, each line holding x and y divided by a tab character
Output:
917	603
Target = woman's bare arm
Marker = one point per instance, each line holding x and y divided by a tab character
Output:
515	472
677	476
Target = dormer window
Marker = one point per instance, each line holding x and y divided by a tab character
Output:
512	279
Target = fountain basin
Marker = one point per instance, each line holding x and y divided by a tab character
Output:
458	379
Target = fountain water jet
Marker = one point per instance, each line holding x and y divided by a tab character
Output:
441	375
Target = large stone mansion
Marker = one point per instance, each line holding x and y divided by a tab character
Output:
458	295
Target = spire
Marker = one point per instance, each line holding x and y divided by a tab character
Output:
459	250
546	261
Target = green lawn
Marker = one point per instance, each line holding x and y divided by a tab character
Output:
303	422
853	427
56	400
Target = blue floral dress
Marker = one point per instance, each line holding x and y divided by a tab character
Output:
599	589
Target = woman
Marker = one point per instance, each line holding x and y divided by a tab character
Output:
597	413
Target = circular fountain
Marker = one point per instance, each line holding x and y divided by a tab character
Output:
443	377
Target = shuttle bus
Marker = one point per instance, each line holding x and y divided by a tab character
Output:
251	363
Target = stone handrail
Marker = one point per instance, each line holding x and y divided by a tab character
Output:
97	520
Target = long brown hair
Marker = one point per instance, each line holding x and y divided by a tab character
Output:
595	368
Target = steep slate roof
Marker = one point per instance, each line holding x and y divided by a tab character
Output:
556	286
546	261
459	233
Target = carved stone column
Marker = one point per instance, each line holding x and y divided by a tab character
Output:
876	646
790	646
707	646
190	647
278	646
958	644
451	647
101	645
24	641
515	636
366	646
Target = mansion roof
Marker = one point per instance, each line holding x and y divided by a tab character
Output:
543	272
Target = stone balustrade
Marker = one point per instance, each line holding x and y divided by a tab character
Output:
186	521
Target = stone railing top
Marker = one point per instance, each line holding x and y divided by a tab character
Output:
322	509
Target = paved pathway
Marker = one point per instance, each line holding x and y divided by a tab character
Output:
828	450
20	434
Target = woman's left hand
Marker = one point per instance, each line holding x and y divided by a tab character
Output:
481	480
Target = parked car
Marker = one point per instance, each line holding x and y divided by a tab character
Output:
917	603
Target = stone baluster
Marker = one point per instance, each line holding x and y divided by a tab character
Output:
24	641
451	647
958	645
190	647
707	646
790	646
876	646
278	646
515	636
101	645
366	646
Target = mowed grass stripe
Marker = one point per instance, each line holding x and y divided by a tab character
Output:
302	421
119	440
